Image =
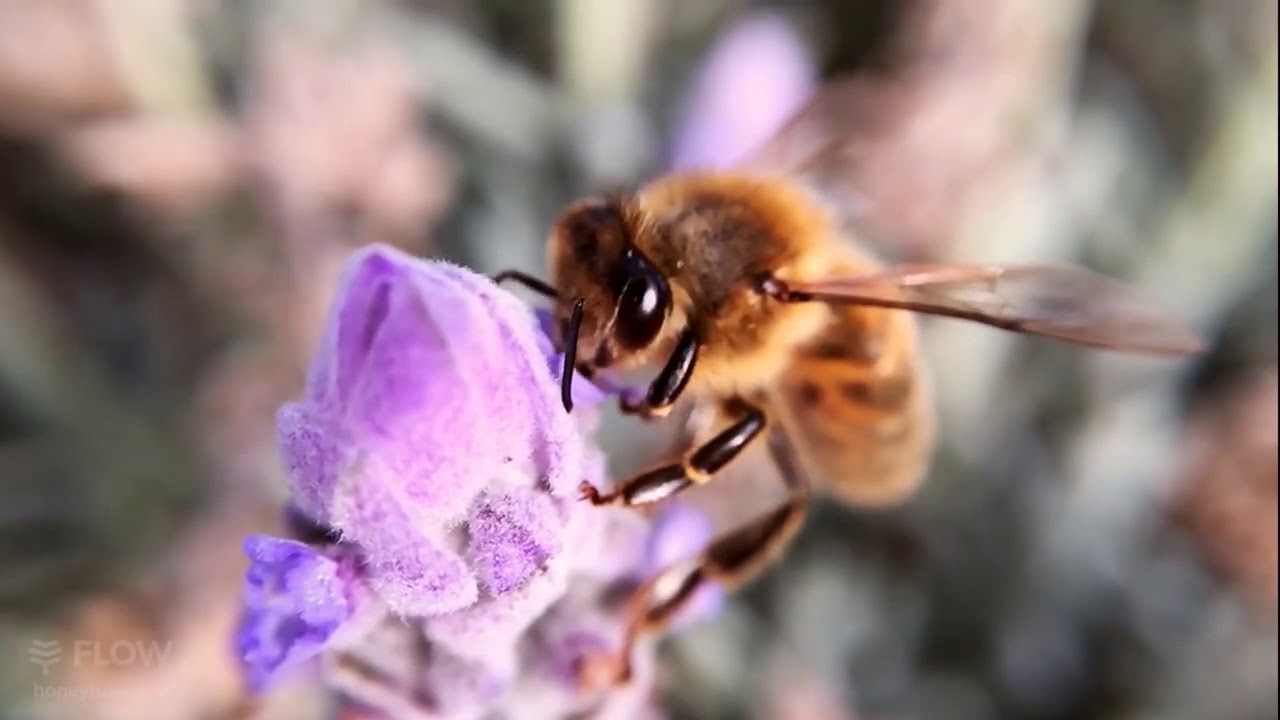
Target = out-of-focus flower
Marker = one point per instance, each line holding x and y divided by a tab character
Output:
308	101
957	116
678	529
1227	497
755	77
798	692
305	99
435	472
166	163
55	65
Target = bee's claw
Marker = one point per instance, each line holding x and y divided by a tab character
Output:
641	408
628	405
603	671
588	492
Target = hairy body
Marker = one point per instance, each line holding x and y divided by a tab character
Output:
739	292
845	384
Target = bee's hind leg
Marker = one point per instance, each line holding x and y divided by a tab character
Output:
671	479
730	561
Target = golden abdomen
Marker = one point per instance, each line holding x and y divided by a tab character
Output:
857	407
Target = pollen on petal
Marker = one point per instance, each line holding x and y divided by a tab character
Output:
513	534
312	456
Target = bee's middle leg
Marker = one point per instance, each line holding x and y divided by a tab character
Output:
698	468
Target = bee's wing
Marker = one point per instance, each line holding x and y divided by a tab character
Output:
877	154
821	140
1065	303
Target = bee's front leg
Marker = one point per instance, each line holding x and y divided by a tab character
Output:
667	480
669	383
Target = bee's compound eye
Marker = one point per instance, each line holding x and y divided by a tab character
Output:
642	308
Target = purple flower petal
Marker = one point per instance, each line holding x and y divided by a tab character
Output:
679	532
410	564
421	579
295	599
572	631
432	460
457	685
496	623
559	446
754	78
404	350
512	537
575	631
613	544
424	407
393	674
312	455
431	386
353	325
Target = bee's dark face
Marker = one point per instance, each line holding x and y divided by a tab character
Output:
625	299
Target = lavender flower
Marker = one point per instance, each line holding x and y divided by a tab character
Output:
679	530
427	407
431	448
296	598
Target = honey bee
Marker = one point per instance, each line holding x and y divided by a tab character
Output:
741	291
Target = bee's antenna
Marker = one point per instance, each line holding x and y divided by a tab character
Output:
570	355
527	280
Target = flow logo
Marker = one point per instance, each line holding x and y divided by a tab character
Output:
45	653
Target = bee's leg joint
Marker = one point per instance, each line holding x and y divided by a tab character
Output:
730	560
665	481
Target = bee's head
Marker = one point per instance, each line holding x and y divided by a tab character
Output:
624	299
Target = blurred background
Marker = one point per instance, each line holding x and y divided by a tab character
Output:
180	181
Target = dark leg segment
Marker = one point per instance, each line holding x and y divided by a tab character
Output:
670	382
731	561
527	280
668	480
